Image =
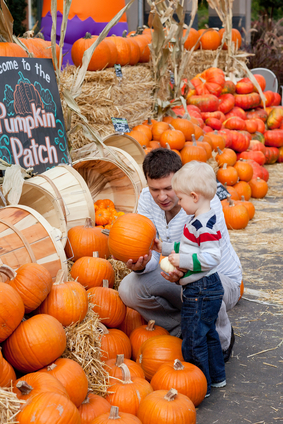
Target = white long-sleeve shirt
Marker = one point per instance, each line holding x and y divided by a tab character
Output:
199	248
172	231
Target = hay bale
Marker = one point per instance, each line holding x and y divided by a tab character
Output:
9	406
84	347
104	96
204	59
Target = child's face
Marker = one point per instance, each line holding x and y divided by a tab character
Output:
188	202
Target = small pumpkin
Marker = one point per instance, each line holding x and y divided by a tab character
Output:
12	310
210	39
193	152
8	375
34	383
236	38
227	174
244	169
113	367
92	407
101	55
140	137
175	139
115	414
158	129
185	126
114	342
259	188
243	189
132	320
143	333
236	216
226	156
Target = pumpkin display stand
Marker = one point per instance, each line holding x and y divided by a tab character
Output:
115	176
47	205
70	189
104	95
26	237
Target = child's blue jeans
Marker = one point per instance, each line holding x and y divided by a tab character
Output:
201	346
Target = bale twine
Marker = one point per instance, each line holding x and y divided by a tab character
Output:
104	96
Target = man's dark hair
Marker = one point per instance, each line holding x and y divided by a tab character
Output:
160	163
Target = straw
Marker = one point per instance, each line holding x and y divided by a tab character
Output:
10	405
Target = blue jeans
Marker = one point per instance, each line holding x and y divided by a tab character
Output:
201	346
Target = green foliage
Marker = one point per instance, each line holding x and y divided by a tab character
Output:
18	11
203	14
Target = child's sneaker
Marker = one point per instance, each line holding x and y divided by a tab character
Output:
220	384
207	395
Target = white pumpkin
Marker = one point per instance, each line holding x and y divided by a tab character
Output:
166	266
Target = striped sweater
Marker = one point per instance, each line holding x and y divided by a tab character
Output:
173	230
199	248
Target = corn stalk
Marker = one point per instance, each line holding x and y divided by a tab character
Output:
167	49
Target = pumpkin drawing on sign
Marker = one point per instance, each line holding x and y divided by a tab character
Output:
25	94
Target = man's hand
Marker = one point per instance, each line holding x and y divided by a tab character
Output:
140	264
157	245
173	276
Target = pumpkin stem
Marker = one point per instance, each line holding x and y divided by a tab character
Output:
105	232
230	201
119	360
225	166
243	198
219	150
178	365
150	325
126	374
193	138
8	271
95	254
168	146
60	277
124	33
88	223
87	35
114	413
24	387
201	138
105	283
171	395
171	127
51	367
101	327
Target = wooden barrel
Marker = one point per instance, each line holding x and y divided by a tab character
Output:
26	237
128	144
42	201
71	191
119	180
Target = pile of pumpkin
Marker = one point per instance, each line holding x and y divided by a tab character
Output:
113	50
105	213
143	361
210	39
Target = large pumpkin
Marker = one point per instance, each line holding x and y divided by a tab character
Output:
113	343
166	407
72	376
132	320
32	281
90	272
101	55
119	417
187	378
67	301
34	383
83	240
131	236
157	350
35	343
49	407
8	375
113	366
12	310
143	333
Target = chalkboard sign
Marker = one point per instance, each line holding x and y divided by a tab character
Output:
118	71
120	125
221	191
32	131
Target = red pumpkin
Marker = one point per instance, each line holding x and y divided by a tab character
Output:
244	86
211	81
206	103
247	101
227	102
240	142
229	87
273	138
237	111
257	156
235	123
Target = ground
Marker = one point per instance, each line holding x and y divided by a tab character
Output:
254	391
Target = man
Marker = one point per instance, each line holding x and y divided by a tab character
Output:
153	293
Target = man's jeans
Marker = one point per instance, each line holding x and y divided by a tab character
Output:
201	346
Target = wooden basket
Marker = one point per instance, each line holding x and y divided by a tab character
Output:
128	144
42	201
26	237
71	191
120	181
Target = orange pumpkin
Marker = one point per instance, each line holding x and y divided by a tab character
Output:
174	138
131	236
244	169
236	216
143	333
119	417
12	310
71	376
227	174
210	39
132	320
67	301
192	39
159	128
83	240
8	375
107	304
243	189
226	156
114	342
157	350
236	38
140	137
34	383
101	55
123	50
92	407
259	188
144	129
113	367
186	378
90	272
193	152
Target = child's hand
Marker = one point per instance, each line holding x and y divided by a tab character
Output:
157	245
174	258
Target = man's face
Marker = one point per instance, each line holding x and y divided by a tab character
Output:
162	192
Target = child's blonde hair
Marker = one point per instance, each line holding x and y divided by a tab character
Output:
195	176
